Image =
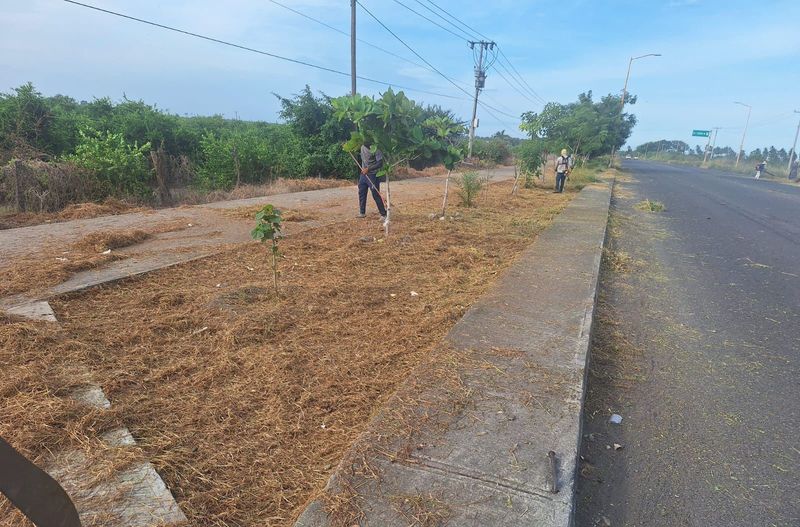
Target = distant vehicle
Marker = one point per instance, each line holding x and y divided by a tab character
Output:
628	156
636	157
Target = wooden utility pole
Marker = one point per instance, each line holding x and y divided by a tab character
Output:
352	47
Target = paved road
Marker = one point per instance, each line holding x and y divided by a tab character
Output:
698	348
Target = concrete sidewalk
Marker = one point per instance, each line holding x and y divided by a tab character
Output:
466	440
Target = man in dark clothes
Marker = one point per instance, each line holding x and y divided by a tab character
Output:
368	180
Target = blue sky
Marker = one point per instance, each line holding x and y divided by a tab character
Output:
714	52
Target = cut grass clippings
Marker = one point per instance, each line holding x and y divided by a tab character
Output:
246	419
76	211
34	273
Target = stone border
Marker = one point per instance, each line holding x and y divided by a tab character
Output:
495	439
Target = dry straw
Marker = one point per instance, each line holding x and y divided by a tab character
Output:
246	402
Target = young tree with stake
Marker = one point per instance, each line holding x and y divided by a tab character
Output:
268	228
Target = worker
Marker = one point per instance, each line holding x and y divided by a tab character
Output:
562	170
369	180
760	168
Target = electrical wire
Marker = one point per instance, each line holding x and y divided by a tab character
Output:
476	32
412	50
531	90
253	50
444	19
428	19
345	33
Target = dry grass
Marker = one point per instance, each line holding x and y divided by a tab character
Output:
247	419
189	196
34	273
77	211
249	213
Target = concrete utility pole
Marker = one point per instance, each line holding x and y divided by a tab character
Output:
352	47
744	134
625	95
480	82
709	154
713	144
794	146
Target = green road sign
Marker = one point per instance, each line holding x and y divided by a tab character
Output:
701	133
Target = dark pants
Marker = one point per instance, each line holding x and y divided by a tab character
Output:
560	178
364	187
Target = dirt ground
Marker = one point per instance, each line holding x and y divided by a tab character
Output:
245	400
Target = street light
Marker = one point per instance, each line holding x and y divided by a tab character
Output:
625	94
794	146
741	146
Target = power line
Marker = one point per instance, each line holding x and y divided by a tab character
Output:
434	4
412	50
532	91
253	50
525	95
428	19
345	33
445	20
475	31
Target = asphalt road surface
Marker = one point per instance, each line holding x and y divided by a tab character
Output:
697	347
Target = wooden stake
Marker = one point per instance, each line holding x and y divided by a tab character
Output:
446	190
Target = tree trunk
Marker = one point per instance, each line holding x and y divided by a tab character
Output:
236	166
19	184
516	180
388	206
160	165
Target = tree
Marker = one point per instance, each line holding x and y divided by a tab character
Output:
392	124
119	165
587	127
268	229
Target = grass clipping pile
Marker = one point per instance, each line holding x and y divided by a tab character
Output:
243	401
32	274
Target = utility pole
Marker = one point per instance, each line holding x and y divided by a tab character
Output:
741	145
480	82
624	95
708	146
713	144
352	47
793	151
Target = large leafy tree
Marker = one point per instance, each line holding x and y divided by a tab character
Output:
585	127
400	128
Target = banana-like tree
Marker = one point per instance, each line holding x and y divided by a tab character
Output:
393	124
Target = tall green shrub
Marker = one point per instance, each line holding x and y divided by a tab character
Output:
120	166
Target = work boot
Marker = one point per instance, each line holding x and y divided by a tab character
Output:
361	215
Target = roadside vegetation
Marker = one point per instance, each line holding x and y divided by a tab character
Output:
56	151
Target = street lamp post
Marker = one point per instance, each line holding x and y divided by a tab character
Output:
794	146
625	94
741	146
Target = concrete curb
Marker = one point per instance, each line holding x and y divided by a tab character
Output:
487	438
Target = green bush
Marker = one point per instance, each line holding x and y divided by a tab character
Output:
469	185
494	151
120	166
530	157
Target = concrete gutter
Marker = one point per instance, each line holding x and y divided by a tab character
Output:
466	440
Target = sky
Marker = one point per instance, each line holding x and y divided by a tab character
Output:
712	54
